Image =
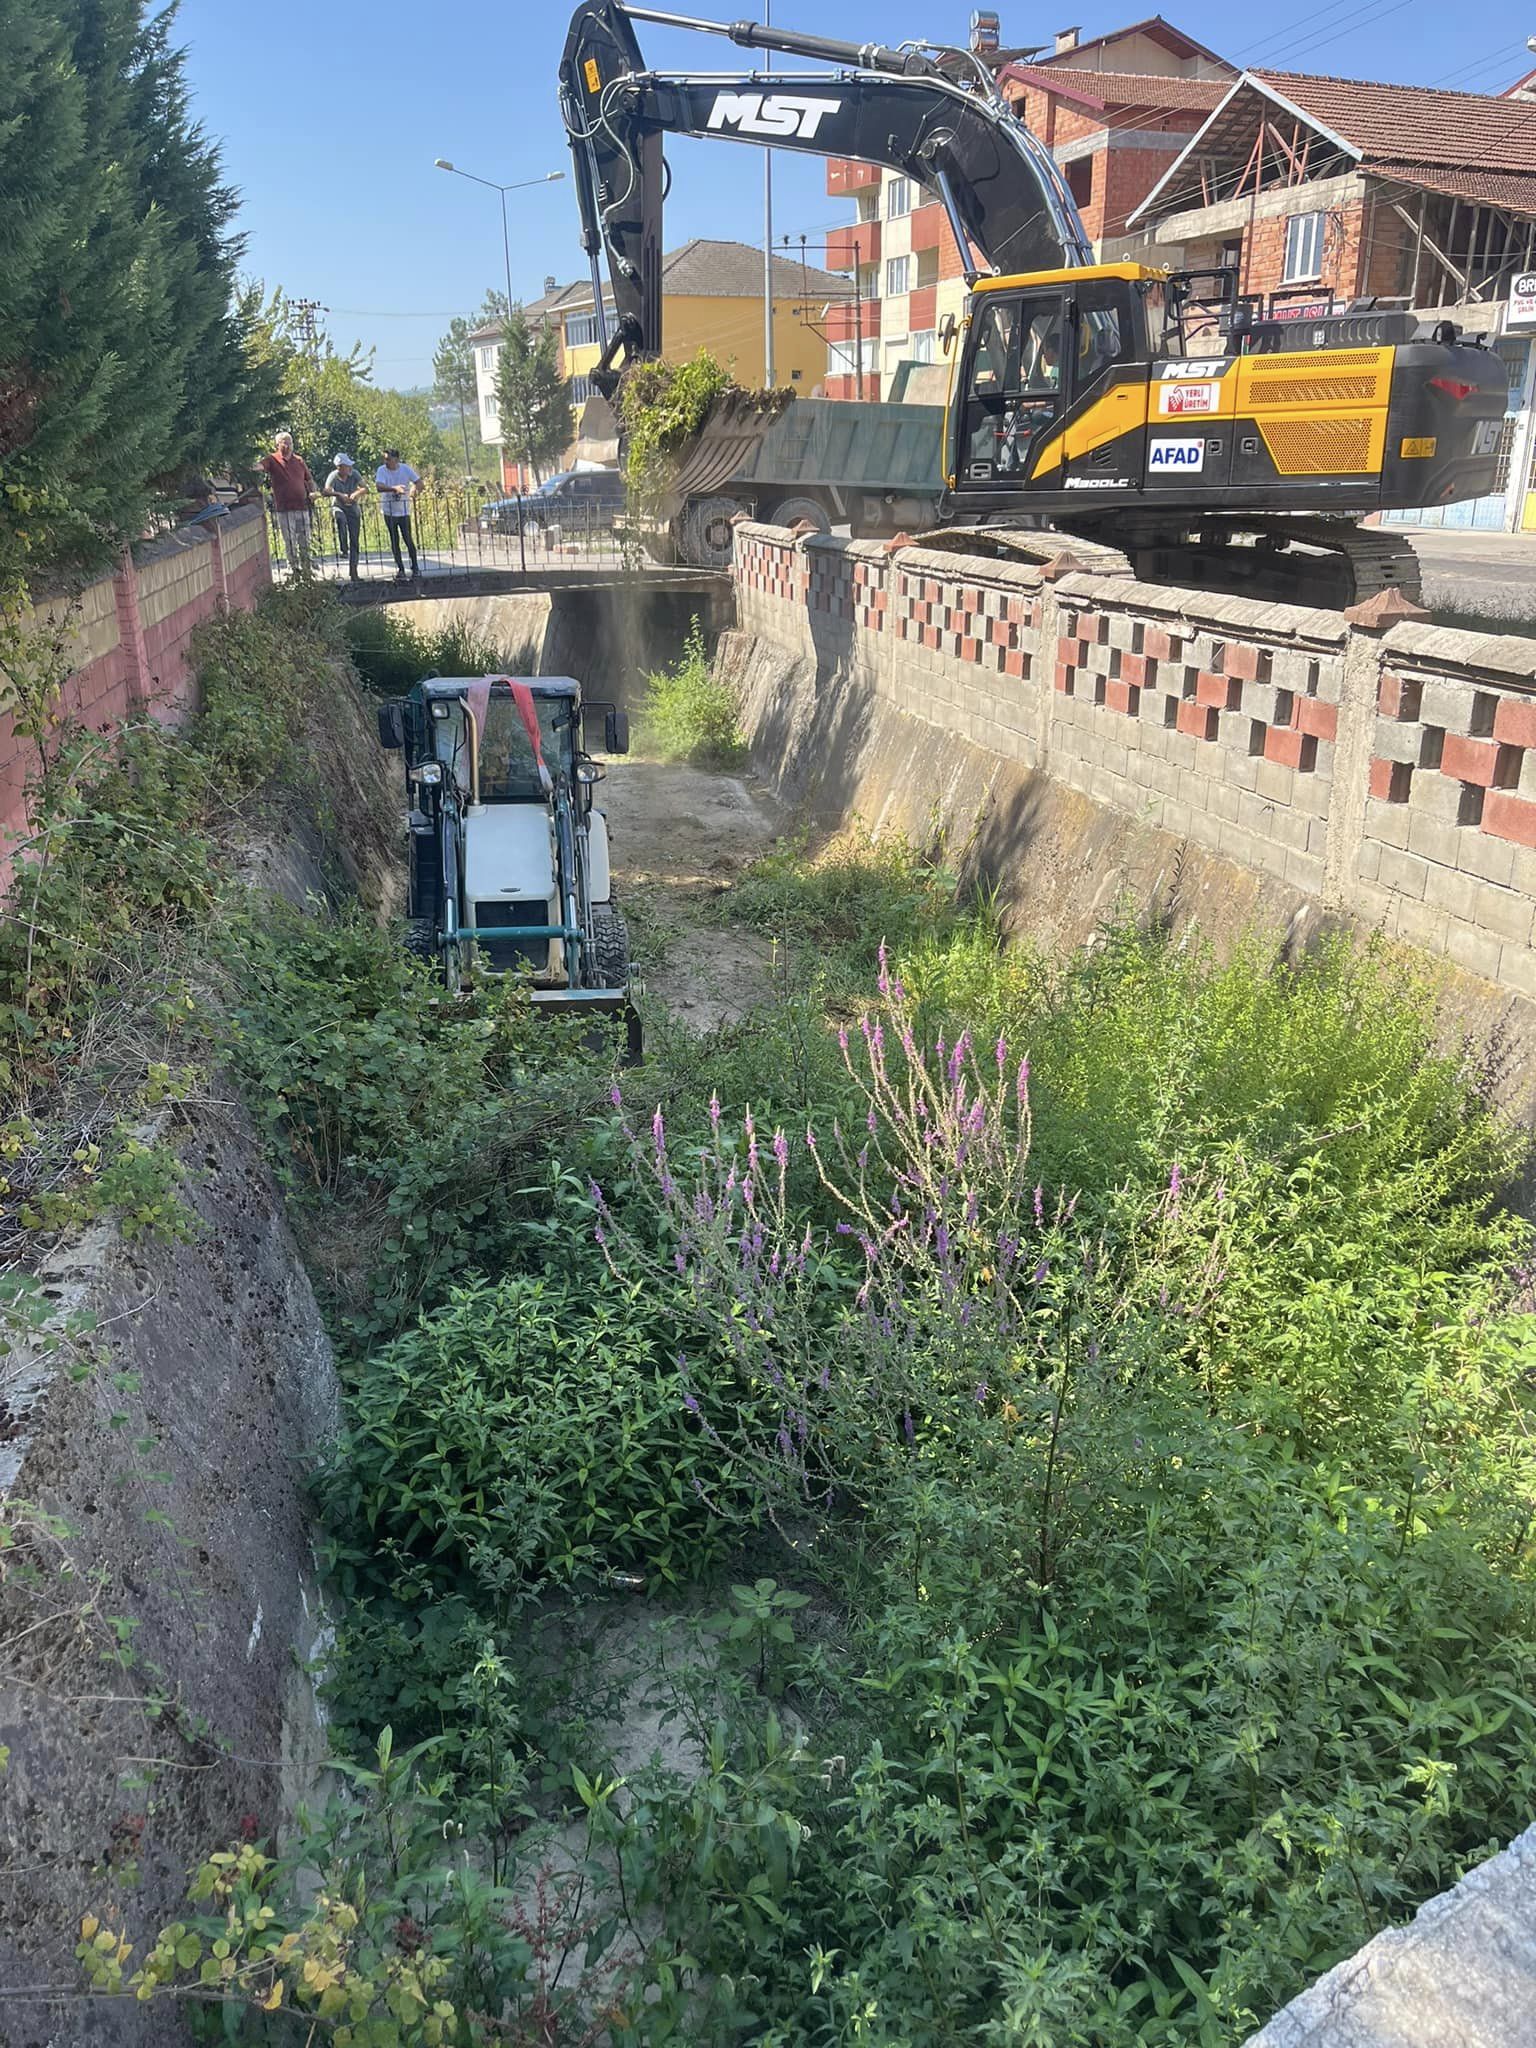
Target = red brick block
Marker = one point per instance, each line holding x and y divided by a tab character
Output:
1509	817
1243	662
931	637
1514	723
1382	779
1064	676
970	650
1469	760
1200	721
1316	717
1133	669
1285	744
1214	691
1013	663
1157	644
1120	695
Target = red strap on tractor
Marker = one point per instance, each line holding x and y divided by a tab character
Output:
522	697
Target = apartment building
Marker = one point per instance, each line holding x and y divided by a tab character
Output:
1328	190
1115	110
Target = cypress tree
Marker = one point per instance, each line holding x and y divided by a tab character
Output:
122	356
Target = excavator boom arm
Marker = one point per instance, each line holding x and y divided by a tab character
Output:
1008	205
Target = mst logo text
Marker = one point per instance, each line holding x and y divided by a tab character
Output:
771	113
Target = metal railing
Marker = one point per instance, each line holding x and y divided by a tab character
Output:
460	532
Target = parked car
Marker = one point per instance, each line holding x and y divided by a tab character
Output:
576	497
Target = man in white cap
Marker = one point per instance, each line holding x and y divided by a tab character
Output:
345	487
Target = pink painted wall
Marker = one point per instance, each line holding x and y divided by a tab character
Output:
131	631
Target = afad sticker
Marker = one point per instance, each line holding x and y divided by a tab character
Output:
1179	400
1187	455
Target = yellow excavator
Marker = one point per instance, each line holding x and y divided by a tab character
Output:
1211	438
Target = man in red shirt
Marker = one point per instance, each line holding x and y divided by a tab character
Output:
293	488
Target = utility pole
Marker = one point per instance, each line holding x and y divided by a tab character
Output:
768	376
304	311
858	325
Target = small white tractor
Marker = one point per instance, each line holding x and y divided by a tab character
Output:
509	852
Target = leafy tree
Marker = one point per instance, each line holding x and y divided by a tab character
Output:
330	401
122	359
533	398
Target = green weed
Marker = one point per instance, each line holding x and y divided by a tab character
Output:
689	714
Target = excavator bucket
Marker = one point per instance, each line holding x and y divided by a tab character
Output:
731	434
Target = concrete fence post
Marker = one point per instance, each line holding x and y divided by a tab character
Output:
130	627
220	575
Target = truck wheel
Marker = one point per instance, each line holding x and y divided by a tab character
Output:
704	531
420	940
791	511
610	947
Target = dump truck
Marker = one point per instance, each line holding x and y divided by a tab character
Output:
818	461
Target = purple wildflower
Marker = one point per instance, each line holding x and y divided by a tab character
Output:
658	1132
714	1110
1042	1271
615	1097
780	1148
981	1392
1002	1052
690	1402
1039	1206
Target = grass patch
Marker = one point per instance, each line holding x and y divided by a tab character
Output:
688	713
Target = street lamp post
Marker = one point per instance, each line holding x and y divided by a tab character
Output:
549	178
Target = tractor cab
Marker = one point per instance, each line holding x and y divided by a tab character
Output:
509	863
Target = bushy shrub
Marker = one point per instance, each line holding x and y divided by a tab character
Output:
531	1432
689	714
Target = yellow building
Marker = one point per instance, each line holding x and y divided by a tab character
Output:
712	297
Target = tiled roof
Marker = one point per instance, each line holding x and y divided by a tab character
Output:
1421	124
1515	191
1154	27
700	269
1120	90
703	269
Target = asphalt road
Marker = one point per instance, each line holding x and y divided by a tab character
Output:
1479	577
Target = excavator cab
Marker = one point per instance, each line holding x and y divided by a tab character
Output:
1051	387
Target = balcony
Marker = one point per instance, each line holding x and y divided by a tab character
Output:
848	386
930	230
842	325
849	248
845	175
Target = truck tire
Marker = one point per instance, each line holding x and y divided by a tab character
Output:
420	940
704	531
610	947
791	511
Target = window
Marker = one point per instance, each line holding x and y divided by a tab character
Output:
582	331
924	347
580	389
1080	179
898	270
898	198
488	361
1304	247
869	206
488	405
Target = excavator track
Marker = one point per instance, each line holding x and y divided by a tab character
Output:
1328	564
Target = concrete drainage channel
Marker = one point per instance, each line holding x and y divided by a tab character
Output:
236	1382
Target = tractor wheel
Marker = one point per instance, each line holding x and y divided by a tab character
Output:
794	511
420	940
610	947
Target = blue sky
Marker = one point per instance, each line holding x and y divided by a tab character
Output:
330	118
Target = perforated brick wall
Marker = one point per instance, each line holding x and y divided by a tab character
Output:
1388	776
